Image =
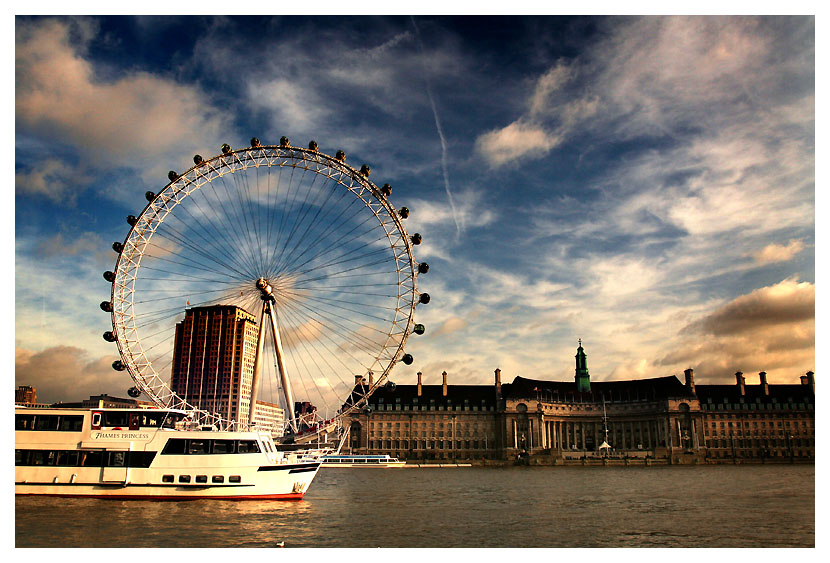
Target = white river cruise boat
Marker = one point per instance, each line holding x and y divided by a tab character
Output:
149	454
338	460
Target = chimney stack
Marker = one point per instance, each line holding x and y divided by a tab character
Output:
498	383
371	378
804	380
358	379
764	384
419	384
444	387
690	380
739	377
811	381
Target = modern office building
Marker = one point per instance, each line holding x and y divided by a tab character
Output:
213	363
548	421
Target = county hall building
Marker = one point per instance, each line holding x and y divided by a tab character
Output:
540	421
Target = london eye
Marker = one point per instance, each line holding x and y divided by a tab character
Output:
303	245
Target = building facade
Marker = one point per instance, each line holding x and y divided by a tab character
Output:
213	364
552	421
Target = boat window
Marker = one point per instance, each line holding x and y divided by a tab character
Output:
217	479
201	478
42	457
224	446
166	478
198	446
248	447
150	420
21	457
175	446
140	459
184	478
115	419
67	458
73	423
117	459
24	422
234	479
46	422
96	420
92	459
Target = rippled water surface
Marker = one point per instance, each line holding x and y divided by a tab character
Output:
708	506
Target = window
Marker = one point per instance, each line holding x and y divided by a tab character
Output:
92	459
117	459
217	479
198	446
42	457
69	458
115	419
234	479
201	478
184	478
224	446
248	447
24	422
46	422
174	446
166	478
73	423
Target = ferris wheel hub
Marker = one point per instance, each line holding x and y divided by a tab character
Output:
265	288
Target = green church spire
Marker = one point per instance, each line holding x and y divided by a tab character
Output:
582	377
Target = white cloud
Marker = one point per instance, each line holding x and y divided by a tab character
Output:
778	252
136	117
515	141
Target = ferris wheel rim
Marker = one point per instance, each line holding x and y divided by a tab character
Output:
122	297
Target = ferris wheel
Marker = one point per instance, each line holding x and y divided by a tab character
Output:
303	260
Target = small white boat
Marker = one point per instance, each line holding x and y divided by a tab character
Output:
340	460
149	454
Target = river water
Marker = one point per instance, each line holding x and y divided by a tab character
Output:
549	507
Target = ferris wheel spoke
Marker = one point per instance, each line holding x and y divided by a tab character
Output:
324	355
349	320
231	223
214	239
344	258
344	334
321	239
314	220
175	237
298	217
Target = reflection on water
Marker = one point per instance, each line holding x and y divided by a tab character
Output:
718	506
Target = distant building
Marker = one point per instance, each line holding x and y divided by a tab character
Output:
105	402
213	363
550	421
25	394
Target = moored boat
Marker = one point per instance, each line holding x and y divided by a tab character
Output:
338	460
149	454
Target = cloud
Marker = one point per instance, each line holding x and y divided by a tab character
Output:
787	302
771	328
515	141
67	373
53	178
778	252
135	117
452	324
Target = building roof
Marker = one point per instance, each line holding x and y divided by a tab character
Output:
628	390
755	393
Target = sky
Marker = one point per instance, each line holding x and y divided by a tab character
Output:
646	185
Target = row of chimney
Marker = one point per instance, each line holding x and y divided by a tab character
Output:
807	379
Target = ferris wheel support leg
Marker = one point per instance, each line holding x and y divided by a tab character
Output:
286	383
260	347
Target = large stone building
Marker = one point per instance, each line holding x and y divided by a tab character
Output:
552	421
